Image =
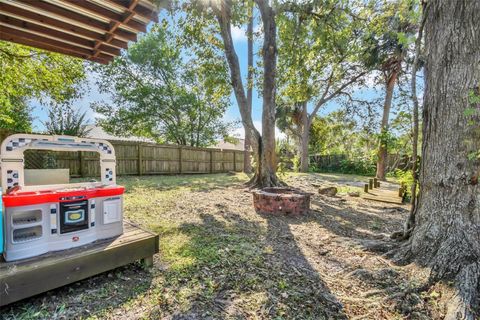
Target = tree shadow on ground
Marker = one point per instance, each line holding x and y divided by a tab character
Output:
356	231
242	269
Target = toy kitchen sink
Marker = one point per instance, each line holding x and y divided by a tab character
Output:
43	218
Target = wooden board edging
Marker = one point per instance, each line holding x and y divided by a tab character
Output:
33	277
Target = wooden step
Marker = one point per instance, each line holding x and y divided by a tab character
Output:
383	195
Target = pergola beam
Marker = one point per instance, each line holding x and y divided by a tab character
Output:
43	46
128	15
89	29
110	15
139	10
34	28
64	26
84	20
18	36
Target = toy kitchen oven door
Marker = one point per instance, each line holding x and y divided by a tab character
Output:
48	213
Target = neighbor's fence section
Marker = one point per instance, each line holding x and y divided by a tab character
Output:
137	158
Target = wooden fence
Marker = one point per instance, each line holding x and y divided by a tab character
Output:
136	158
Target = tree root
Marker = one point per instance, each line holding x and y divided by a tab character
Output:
402	235
257	182
465	302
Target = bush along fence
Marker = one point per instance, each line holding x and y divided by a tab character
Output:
330	162
343	163
138	158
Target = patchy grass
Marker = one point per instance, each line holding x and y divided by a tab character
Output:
221	260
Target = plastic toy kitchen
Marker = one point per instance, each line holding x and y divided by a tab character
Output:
43	218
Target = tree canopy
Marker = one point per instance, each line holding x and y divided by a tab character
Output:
162	92
27	73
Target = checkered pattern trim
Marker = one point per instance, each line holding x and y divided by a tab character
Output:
102	147
18	143
109	174
12	178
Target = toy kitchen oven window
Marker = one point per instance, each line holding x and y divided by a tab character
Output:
73	215
43	218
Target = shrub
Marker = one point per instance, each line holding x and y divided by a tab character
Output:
405	177
351	166
357	166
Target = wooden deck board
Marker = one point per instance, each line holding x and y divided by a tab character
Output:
25	278
383	195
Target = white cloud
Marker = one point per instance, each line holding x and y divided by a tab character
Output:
238	34
240	132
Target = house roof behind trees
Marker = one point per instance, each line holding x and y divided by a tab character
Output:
222	144
94	30
98	133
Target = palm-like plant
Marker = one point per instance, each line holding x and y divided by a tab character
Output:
64	120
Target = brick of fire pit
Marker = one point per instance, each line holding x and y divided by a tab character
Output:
281	200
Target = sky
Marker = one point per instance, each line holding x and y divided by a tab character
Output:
91	94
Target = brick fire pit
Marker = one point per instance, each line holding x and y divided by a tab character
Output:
281	200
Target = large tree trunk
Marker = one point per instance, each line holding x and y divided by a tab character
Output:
265	174
446	237
382	149
247	162
263	147
304	138
223	14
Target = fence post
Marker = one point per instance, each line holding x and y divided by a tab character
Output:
140	160
180	159
211	161
82	164
234	161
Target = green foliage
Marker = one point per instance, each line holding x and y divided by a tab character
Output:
27	73
391	32
387	139
64	120
162	92
16	116
320	58
339	133
359	166
296	163
285	156
404	177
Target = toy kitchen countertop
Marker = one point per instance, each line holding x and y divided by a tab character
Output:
21	197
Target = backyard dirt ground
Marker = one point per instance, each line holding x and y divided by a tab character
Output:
219	259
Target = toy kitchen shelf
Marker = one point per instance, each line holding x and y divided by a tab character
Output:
60	233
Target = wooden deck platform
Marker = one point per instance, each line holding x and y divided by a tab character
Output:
26	278
383	195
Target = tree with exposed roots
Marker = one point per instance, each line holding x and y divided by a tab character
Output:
263	144
446	233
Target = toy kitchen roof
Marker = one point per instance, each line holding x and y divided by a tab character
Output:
94	30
